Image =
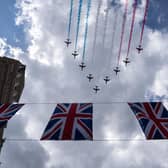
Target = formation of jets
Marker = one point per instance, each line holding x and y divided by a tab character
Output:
82	65
90	77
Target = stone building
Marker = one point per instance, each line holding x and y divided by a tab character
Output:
12	79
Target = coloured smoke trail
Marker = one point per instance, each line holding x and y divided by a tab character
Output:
105	28
114	32
122	31
96	29
78	23
132	27
86	29
70	18
106	60
144	21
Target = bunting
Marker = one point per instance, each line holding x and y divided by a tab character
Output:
153	119
70	122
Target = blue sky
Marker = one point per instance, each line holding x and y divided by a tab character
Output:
8	29
157	15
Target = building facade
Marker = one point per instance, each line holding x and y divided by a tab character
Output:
12	80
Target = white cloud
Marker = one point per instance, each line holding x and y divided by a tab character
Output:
8	50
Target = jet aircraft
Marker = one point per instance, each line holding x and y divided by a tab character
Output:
90	77
126	61
82	66
139	48
96	89
106	79
75	54
116	70
67	42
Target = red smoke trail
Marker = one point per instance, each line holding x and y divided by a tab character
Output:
122	32
144	21
132	26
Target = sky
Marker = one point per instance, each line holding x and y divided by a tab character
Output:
34	33
13	34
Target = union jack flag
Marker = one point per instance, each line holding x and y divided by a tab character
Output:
153	119
70	122
7	111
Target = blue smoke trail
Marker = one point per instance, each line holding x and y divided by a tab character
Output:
78	23
70	18
86	29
